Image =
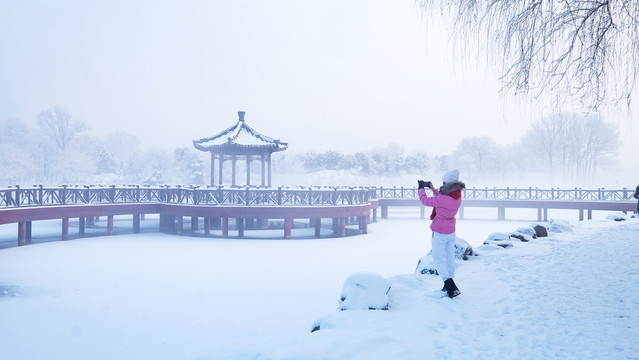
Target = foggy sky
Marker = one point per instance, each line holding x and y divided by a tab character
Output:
342	75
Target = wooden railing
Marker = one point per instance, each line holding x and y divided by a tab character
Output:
74	195
600	194
301	196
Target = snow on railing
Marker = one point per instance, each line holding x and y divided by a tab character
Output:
75	195
250	196
508	193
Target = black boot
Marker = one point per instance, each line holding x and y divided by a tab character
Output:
451	288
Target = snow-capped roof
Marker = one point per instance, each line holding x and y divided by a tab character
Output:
240	138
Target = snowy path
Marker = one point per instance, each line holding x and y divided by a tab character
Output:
568	296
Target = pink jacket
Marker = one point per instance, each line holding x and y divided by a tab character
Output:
446	209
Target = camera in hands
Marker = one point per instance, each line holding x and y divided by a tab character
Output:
423	184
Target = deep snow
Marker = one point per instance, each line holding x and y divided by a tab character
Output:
156	296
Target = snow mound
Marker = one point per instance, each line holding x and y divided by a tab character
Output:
521	236
365	291
500	243
528	231
559	226
617	216
498	236
463	251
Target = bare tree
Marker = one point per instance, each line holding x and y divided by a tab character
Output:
546	140
575	143
57	124
477	155
587	49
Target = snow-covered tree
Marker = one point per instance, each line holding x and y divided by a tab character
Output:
190	165
57	124
119	148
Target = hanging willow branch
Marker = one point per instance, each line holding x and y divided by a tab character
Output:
586	49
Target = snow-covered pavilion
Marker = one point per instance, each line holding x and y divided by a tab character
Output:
240	142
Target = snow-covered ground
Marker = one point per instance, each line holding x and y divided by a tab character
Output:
156	296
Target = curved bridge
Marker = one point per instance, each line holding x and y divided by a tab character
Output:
214	208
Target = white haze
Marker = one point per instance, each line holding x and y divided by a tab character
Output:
347	76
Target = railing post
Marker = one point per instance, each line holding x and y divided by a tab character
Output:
248	196
18	200
279	195
40	195
63	197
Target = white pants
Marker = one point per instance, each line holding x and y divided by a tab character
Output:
443	248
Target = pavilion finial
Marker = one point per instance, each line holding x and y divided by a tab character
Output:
241	115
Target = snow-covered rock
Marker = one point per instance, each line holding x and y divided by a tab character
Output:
463	251
558	226
498	236
617	216
540	230
521	236
501	243
500	239
528	231
425	265
365	291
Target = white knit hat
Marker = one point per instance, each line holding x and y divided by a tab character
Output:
451	176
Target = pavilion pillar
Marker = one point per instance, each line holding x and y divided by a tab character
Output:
212	169
220	163
233	162
248	170
269	170
263	169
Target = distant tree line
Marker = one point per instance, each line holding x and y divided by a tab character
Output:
559	148
388	161
58	150
562	147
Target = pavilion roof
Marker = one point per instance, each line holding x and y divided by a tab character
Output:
240	138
